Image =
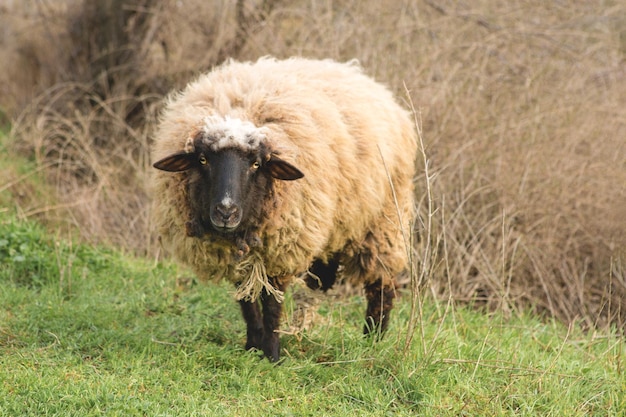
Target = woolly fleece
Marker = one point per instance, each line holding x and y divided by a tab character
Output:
354	142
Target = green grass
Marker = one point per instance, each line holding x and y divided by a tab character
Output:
88	331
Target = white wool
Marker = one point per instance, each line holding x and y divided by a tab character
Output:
323	116
227	132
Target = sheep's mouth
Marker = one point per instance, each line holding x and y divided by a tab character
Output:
225	228
202	229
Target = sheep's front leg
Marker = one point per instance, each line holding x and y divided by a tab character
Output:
379	304
254	322
272	309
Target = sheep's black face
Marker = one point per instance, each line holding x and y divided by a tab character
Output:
227	187
228	182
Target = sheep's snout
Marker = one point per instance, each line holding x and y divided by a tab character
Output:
226	215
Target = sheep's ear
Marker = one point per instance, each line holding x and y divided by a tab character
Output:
176	162
283	170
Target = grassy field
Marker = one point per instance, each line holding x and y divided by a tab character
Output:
88	331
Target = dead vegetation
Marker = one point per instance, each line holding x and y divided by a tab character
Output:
523	109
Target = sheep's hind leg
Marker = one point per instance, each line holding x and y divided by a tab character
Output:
254	322
322	276
272	309
379	304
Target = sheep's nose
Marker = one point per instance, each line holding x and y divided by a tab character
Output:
227	211
226	216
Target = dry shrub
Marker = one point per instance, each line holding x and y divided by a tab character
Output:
525	117
94	74
87	121
523	109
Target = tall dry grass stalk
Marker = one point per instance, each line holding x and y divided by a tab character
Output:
523	108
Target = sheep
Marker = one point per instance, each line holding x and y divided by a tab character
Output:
277	169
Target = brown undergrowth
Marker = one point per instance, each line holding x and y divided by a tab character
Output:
523	110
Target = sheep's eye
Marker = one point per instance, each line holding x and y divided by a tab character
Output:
255	165
202	159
